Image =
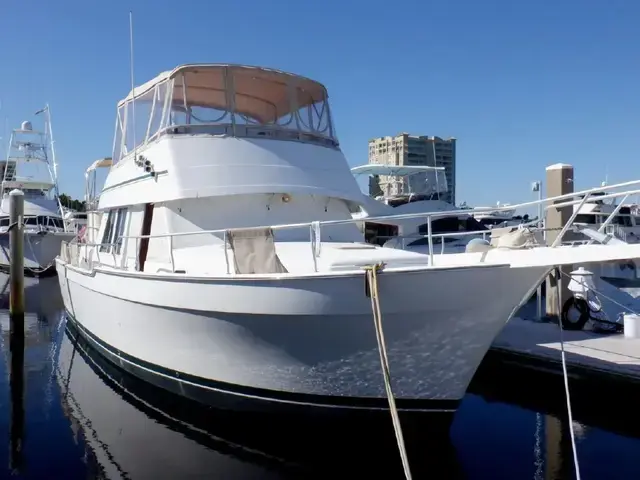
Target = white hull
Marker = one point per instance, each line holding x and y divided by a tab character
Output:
40	250
301	341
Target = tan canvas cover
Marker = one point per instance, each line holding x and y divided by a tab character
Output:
260	93
254	251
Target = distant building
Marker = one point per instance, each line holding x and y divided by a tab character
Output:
406	149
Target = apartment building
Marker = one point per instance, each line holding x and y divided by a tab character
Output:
407	149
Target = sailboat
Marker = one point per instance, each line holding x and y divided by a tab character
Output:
30	168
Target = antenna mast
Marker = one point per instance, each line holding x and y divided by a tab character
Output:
52	142
133	85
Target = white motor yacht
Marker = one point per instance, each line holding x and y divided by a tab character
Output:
29	169
502	217
416	189
227	266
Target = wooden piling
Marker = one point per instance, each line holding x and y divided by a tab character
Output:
16	252
559	181
16	335
16	387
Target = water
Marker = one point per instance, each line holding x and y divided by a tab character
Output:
80	417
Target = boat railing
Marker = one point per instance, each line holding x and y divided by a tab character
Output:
315	227
239	130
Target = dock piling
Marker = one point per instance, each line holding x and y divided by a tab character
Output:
16	318
16	252
559	181
16	387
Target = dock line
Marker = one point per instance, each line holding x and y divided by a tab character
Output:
566	388
373	292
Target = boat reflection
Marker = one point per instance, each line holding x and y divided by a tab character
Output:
43	304
28	349
135	430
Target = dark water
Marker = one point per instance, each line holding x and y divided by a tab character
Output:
72	415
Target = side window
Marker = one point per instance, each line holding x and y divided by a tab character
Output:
119	230
108	230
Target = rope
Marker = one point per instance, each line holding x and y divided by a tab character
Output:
566	390
372	283
10	227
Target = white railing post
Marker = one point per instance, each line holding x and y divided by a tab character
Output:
429	233
312	241
226	253
137	259
173	267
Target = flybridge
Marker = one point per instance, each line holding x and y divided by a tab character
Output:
231	100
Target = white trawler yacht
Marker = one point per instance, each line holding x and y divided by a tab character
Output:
29	168
186	285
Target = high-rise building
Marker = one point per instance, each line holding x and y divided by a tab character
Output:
406	149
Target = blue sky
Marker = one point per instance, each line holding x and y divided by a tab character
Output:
520	84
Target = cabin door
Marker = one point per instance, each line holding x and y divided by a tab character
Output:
146	230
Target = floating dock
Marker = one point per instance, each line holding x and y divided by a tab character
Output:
536	344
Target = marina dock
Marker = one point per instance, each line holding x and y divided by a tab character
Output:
536	344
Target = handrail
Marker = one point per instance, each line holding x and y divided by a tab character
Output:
314	226
404	216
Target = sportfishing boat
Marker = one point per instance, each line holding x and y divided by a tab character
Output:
227	265
29	169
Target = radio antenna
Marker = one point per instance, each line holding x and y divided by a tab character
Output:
133	85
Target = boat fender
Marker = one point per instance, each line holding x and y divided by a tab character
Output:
82	234
582	307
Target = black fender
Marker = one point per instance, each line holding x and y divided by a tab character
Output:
578	304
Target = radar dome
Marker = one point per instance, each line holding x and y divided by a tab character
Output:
26	126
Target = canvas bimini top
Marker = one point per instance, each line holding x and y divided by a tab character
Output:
229	97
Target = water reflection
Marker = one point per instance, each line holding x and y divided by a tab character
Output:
135	430
19	335
71	414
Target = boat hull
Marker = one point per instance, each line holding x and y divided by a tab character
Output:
40	251
299	343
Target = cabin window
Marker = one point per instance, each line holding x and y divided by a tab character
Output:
113	231
451	224
4	222
108	230
585	218
119	229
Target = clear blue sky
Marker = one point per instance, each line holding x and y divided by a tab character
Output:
520	84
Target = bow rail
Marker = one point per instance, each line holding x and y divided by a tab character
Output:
561	201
